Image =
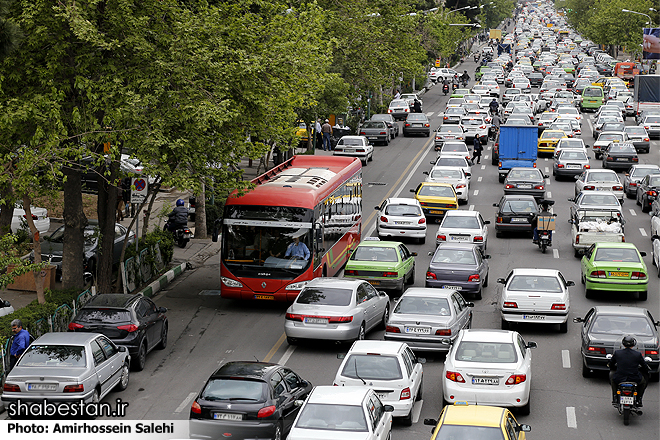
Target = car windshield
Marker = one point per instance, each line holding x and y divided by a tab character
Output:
234	389
602	177
486	352
104	315
436	191
616	255
403	210
375	253
451	162
454	256
525	174
416	117
460	222
535	283
351	142
573	155
332	418
326	296
373	124
70	356
610	324
414	305
596	199
446	174
641	172
372	367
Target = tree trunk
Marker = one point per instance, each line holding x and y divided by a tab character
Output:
74	225
200	213
145	224
36	246
107	209
7	201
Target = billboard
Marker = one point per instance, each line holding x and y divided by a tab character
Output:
651	44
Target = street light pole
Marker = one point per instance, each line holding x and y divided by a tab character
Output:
639	13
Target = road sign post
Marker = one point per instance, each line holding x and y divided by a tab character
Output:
139	190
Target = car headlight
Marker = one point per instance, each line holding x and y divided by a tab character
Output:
230	283
296	286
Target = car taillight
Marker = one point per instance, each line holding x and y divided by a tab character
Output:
266	411
390	274
482	127
558	307
540	124
195	408
389	110
609	158
510	305
430	276
351	272
383	219
392	329
407	110
515	379
508	186
405	394
443	332
586	167
441	237
534	166
560	165
359	150
617	188
650	352
638	276
651	193
473	278
79	388
384	132
454	377
427	125
598	274
445	118
11	388
339	319
589	187
597	350
478	239
421	221
538	187
646	139
73	326
295	316
363	132
407	124
128	327
499	220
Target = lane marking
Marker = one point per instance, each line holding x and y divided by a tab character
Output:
485	157
471	208
287	354
476	192
565	359
546	159
547	170
555	253
479	178
632	212
483	167
489	148
185	403
276	347
571	420
591	127
429	114
643	232
549	194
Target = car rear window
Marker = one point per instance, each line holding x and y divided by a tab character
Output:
446	174
594	200
54	356
452	432
235	390
332	418
573	155
352	142
602	177
489	352
535	283
451	162
616	255
436	191
372	367
621	325
412	305
104	315
367	253
327	296
525	174
460	221
373	124
454	256
404	210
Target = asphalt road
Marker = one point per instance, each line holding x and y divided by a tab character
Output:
206	331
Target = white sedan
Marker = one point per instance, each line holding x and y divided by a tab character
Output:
355	146
354	413
401	217
655	251
39	216
489	367
599	180
463	226
535	296
453	175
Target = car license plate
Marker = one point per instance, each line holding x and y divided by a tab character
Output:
186	235
349	150
417	125
525	186
312	320
627	400
485	381
403	223
534	317
618	274
269	297
518	220
372	137
226	416
42	387
436	212
622	159
381	396
418	330
573	166
374	283
452	287
450	137
460	237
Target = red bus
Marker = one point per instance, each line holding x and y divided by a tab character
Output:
298	223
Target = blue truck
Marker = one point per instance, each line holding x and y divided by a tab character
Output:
517	148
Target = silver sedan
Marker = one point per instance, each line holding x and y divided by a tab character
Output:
424	317
68	367
570	163
336	309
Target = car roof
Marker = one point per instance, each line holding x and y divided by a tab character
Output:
378	243
354	136
251	369
402	201
378	347
620	310
614	245
114	300
346	283
487	335
338	395
458	246
68	338
428	292
461	213
535	271
473	415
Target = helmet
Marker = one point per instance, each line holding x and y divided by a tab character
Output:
465	71
180	202
629	341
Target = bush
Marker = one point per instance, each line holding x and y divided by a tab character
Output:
28	315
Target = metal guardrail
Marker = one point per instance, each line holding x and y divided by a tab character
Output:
141	268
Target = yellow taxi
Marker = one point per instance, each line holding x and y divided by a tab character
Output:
301	131
605	80
462	421
436	198
549	140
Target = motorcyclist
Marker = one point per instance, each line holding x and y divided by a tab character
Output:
455	81
494	106
544	205
178	218
625	367
465	77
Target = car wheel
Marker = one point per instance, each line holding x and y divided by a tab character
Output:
524	410
654	377
386	317
411	278
407	420
630	196
563	327
361	333
123	381
418	397
586	372
371	158
504	324
500	177
291	341
163	338
637	199
643	296
421	240
577	254
645	206
498	234
486	279
141	357
95	397
278	433
583	279
588	293
364	162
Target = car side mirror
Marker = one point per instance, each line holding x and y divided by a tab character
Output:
570	283
414	254
162	309
377	208
432	162
470	304
298	403
578	319
486	222
486	257
545	176
576	177
501	281
524	428
531	344
570	199
421	360
426	173
388	408
412	190
642	253
6	303
382	293
122	348
430	422
495	205
587	146
431	254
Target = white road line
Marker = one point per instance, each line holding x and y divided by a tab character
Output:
417	410
546	159
483	167
489	148
632	212
643	232
476	192
287	354
549	194
571	421
547	170
479	178
591	127
555	253
485	157
429	114
185	403
565	359
547	181
471	208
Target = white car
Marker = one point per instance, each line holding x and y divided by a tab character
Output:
454	175
655	253
401	217
493	86
481	90
475	126
489	367
455	148
355	146
390	368
599	180
5	307
465	227
331	413
538	296
454	161
39	216
605	139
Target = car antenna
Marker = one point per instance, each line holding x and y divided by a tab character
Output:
255	358
356	371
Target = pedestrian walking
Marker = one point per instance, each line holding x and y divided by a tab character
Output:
20	342
477	149
326	129
397	95
417	106
120	204
317	133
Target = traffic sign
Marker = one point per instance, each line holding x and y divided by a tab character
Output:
139	189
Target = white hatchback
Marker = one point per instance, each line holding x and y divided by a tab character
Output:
454	175
390	368
537	296
463	226
489	367
401	217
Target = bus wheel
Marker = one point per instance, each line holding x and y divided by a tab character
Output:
324	273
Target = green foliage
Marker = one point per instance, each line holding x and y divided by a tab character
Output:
59	297
10	256
29	314
165	243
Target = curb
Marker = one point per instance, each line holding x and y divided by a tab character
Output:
163	280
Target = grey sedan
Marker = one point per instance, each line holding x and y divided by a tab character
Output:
376	131
417	123
635	175
423	318
525	181
458	266
336	309
68	367
639	137
570	163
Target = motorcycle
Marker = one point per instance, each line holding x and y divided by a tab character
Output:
454	86
445	89
627	397
476	57
545	224
465	82
182	234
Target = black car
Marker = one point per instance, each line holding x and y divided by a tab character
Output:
619	156
248	400
647	191
417	123
535	79
131	321
570	80
528	181
389	120
603	328
604	69
514	214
